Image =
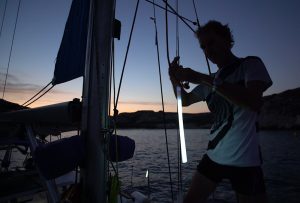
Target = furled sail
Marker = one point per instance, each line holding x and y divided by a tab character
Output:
70	61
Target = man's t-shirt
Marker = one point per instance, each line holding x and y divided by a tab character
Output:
240	144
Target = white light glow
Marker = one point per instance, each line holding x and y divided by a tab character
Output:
147	174
181	129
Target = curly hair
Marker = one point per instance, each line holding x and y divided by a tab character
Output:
216	27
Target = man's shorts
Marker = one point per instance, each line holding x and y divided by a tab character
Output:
244	180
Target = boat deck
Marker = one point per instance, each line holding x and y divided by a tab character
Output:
19	184
15	184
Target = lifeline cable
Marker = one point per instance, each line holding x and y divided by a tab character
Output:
162	100
11	47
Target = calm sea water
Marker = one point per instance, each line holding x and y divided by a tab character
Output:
281	155
280	149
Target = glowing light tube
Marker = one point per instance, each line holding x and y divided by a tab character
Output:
147	174
181	129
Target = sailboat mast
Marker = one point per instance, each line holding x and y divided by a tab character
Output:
96	101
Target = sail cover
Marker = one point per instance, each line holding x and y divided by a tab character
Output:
70	61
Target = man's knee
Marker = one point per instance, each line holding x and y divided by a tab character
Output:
200	189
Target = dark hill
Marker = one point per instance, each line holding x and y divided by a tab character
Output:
151	119
280	111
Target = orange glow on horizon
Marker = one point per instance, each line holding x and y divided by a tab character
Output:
48	99
129	108
54	98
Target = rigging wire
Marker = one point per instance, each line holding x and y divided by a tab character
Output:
113	82
3	17
178	90
167	32
180	17
113	75
183	20
116	98
36	94
178	135
114	127
127	50
177	31
198	23
162	100
11	47
40	96
159	6
197	18
116	169
168	59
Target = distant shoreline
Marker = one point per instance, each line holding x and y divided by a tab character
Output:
280	112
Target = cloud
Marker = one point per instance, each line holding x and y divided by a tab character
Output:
15	85
9	77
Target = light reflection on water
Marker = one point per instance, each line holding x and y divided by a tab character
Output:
281	166
280	153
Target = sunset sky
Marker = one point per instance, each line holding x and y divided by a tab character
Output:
266	28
